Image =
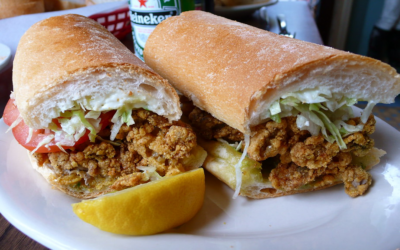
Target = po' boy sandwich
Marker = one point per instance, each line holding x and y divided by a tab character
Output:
94	117
275	113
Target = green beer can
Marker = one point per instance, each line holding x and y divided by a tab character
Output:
146	14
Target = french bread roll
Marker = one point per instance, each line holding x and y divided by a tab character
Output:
70	77
241	76
240	70
46	77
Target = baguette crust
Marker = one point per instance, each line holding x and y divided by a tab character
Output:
71	57
234	71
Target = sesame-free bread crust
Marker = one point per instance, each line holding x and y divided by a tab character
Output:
235	71
68	57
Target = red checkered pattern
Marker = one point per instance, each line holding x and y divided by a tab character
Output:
117	22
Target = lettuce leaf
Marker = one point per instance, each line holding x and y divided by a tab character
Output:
319	111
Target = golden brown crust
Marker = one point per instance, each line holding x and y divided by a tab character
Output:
65	48
228	68
11	8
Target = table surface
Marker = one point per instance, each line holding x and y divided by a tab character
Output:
12	238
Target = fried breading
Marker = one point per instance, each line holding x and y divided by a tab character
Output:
209	127
291	176
315	152
356	180
359	144
272	138
269	140
369	126
151	141
303	158
339	163
161	143
127	181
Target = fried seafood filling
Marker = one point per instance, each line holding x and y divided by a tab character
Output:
151	141
303	159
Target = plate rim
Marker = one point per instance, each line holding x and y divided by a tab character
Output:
246	7
45	240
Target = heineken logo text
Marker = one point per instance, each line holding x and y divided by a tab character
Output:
146	18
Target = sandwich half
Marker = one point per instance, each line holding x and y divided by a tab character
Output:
94	118
274	113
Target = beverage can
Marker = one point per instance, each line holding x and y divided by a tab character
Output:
146	14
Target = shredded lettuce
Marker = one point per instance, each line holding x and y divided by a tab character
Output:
319	111
367	111
150	173
290	101
93	114
58	144
238	165
276	118
74	125
29	138
123	115
53	127
45	141
311	95
332	129
81	115
239	146
275	108
15	123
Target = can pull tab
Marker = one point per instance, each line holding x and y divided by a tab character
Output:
281	18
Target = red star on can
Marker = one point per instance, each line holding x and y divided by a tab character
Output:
142	3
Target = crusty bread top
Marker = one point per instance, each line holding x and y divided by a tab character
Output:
70	57
234	71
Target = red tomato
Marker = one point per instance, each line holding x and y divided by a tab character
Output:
11	112
21	131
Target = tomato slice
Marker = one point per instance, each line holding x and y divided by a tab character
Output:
10	113
21	131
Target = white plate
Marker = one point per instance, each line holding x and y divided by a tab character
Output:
241	10
5	55
326	219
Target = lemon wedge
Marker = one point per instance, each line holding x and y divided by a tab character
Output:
148	208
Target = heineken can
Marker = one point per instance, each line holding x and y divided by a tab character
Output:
146	14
